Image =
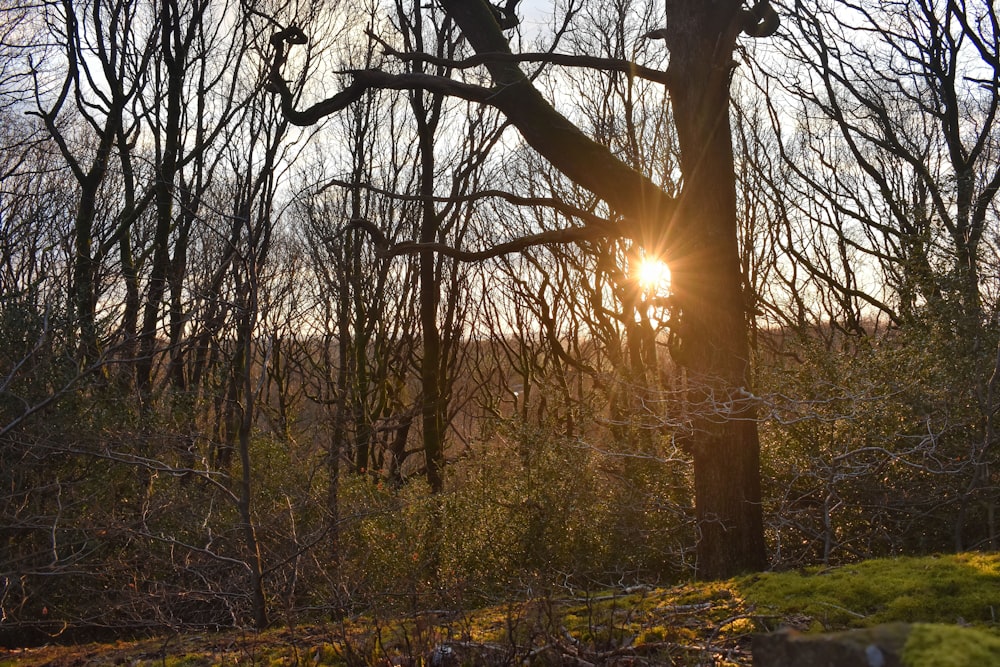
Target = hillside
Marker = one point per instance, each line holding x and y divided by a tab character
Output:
953	600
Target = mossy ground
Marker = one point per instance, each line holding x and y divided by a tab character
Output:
963	588
691	624
936	645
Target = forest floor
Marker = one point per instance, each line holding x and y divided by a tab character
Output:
691	624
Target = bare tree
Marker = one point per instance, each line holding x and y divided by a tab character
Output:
105	52
698	231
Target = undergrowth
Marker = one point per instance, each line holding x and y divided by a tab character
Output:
691	624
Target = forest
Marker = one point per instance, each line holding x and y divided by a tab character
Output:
318	308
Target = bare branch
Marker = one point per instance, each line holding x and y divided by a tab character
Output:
567	235
564	59
588	218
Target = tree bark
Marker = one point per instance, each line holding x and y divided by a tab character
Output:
708	285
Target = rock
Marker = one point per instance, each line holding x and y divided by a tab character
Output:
879	646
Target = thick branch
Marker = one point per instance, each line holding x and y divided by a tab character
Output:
368	79
584	161
761	20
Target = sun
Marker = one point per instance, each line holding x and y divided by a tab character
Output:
652	274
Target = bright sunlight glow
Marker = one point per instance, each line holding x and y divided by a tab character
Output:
652	274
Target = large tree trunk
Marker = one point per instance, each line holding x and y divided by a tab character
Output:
706	278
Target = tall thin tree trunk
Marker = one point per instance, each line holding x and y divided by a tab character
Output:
258	601
431	371
173	58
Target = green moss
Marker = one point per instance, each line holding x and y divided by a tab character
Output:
940	589
932	645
